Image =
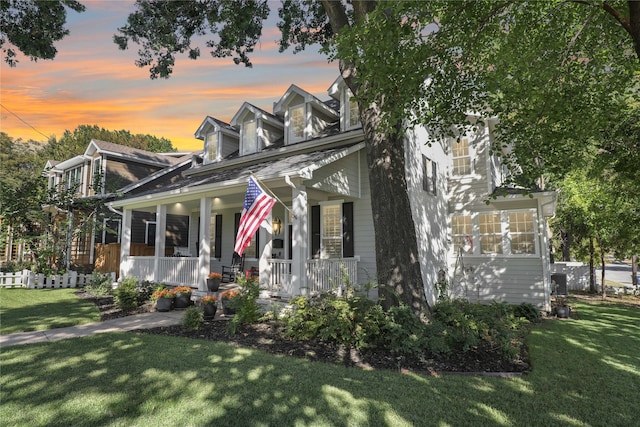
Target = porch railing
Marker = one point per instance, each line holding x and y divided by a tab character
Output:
171	270
280	280
326	274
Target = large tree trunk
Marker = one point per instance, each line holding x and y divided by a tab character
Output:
397	259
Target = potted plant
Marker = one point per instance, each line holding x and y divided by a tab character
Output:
209	305
562	309
183	296
213	281
228	299
164	299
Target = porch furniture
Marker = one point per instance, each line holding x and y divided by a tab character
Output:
230	272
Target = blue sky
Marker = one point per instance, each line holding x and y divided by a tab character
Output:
92	82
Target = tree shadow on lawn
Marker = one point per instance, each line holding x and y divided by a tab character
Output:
137	379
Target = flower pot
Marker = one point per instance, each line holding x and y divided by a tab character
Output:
213	285
183	300
228	309
164	304
209	311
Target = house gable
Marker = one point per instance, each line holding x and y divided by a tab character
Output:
221	140
258	129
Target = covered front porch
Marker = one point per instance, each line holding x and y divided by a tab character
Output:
275	281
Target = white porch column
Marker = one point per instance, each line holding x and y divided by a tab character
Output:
193	234
161	232
125	242
265	250
300	239
204	256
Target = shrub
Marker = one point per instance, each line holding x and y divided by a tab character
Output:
126	295
145	290
403	332
100	284
193	318
245	303
528	311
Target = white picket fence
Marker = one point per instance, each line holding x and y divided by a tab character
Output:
31	280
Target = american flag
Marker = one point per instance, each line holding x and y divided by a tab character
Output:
257	205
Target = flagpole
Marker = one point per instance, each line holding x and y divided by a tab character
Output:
262	184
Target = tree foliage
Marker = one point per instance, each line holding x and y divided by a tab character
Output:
32	27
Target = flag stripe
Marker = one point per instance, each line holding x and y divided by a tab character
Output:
257	205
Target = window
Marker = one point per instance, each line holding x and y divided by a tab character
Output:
461	157
521	232
97	175
73	178
111	231
211	146
249	138
354	113
429	175
462	232
296	123
150	233
331	232
490	233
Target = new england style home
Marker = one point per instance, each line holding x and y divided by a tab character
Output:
310	154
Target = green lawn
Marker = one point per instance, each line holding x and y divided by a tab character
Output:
24	310
586	372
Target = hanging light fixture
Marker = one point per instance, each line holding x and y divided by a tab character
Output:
276	226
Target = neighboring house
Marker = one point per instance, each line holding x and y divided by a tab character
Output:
311	155
105	172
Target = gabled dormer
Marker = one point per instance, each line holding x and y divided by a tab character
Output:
70	174
258	129
220	139
349	113
305	116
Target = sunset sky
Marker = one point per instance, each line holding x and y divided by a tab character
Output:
92	82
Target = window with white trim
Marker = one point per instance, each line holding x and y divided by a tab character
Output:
212	146
150	233
461	157
521	232
352	111
429	175
73	178
331	230
490	226
249	137
296	123
462	233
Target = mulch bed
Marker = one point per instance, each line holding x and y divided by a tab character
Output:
267	337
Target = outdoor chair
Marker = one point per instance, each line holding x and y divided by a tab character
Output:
230	272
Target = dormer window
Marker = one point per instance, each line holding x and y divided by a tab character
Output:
296	123
211	146
353	113
73	178
249	138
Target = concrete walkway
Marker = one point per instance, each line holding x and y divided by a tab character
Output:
128	323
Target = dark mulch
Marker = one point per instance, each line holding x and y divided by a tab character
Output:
267	337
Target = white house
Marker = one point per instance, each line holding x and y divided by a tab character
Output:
311	155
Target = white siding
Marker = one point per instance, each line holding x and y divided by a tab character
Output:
364	236
513	280
339	177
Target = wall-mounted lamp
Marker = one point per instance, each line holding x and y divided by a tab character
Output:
276	226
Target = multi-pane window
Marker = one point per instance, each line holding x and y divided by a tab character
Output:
354	113
521	231
249	138
461	157
429	175
212	146
331	232
296	123
490	226
73	178
462	232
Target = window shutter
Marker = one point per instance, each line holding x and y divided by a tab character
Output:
347	230
315	231
236	225
217	251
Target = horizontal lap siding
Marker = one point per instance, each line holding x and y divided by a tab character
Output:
513	280
363	232
339	177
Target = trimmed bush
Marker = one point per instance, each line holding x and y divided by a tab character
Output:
126	295
193	318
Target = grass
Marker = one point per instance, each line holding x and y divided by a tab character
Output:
586	372
23	310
